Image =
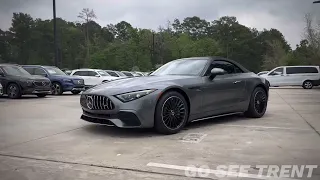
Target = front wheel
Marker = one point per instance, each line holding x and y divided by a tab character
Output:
307	85
14	91
258	103
56	88
75	92
41	95
172	113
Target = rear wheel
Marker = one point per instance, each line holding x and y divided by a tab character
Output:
172	113
258	103
41	95
56	88
75	92
307	85
13	91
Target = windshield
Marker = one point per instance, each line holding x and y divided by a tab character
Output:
102	73
54	71
181	67
15	71
120	73
127	74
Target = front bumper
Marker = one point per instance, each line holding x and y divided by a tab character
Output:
36	90
135	114
72	87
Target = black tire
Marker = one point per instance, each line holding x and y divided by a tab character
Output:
56	88
75	92
172	113
258	103
14	91
41	95
307	85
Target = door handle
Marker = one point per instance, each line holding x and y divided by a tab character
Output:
236	82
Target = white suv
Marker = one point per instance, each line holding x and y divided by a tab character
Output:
305	76
92	77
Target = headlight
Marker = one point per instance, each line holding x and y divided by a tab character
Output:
67	80
126	97
30	82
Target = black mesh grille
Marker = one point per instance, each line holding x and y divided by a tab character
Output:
41	83
96	102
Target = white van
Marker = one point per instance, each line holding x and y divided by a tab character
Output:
305	76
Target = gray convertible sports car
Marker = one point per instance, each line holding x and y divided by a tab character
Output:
179	92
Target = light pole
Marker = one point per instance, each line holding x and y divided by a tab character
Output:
55	34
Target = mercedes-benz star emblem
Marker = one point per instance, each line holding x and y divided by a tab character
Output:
89	102
43	83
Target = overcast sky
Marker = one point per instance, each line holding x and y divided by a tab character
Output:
285	15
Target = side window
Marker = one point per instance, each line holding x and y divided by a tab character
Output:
278	71
81	73
30	70
77	73
92	73
113	74
227	66
301	70
39	71
309	70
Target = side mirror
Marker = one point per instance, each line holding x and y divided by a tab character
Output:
97	75
1	74
217	71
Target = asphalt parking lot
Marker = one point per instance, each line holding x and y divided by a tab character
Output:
45	139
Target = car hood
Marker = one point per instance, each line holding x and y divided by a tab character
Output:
124	85
36	77
66	77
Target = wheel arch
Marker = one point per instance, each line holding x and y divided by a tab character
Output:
179	90
5	87
263	87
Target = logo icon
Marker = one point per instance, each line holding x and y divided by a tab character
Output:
79	82
89	101
43	83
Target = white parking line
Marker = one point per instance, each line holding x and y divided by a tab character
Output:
265	127
216	172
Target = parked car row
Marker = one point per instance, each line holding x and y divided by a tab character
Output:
305	76
17	80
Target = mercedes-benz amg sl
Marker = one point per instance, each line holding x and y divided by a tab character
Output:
177	93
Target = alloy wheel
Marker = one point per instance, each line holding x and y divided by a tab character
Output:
308	85
12	91
173	112
56	89
260	102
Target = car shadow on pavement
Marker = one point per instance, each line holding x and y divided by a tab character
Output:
150	132
119	132
215	121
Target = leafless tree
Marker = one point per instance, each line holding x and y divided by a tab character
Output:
275	55
87	15
312	34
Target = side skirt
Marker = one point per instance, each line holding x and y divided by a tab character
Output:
216	116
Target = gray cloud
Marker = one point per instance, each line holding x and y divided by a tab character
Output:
285	15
